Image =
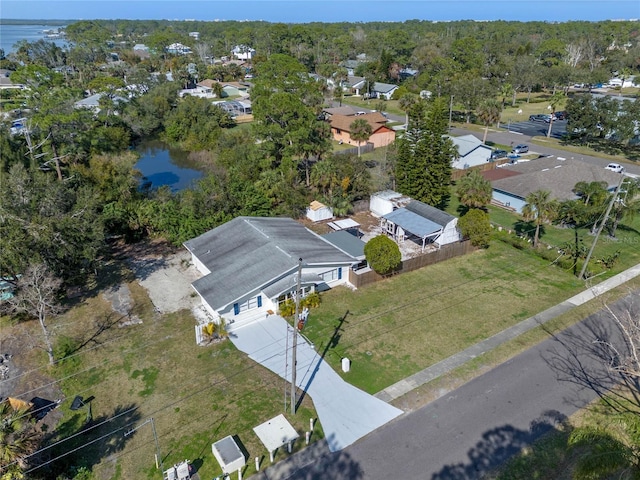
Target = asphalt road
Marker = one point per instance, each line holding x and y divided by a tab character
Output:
475	428
516	136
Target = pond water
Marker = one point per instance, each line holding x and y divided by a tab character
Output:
163	165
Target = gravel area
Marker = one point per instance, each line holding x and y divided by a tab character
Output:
167	279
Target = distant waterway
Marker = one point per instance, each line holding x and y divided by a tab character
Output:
12	34
163	165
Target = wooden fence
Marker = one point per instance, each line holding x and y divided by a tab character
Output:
457	174
444	253
354	150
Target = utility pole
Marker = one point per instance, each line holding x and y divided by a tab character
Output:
155	437
601	226
295	340
450	111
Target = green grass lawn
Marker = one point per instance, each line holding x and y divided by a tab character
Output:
626	241
401	325
196	395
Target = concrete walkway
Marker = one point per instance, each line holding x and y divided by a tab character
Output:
345	412
318	452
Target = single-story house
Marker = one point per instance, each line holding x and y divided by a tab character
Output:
471	152
421	221
383	90
386	201
250	266
408	73
345	110
355	85
316	212
381	134
92	102
559	177
204	89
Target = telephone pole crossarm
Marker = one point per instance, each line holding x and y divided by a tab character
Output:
155	437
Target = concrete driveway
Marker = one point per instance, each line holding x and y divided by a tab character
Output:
345	412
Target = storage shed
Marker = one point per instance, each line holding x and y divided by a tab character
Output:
387	201
317	212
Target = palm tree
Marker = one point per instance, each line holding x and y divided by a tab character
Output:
627	206
217	89
506	91
541	209
360	131
588	191
324	176
474	191
609	450
17	438
556	99
405	103
489	113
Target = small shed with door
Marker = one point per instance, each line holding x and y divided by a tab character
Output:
316	212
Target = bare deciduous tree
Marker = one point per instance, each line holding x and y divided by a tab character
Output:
36	296
602	354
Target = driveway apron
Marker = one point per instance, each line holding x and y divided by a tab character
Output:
345	412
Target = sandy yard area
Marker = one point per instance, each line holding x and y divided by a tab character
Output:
167	279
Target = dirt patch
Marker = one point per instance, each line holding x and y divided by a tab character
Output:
23	380
165	272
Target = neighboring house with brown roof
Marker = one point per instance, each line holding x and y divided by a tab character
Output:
558	177
345	110
381	136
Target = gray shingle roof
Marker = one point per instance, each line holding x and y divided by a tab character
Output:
431	213
559	178
347	242
248	253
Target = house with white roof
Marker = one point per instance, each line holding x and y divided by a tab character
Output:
178	49
250	266
243	52
471	152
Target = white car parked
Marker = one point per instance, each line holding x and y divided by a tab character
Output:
615	167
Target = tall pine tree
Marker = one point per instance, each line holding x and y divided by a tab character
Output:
423	168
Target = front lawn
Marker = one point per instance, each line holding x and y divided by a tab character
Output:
406	323
196	395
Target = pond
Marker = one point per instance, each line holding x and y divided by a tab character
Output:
161	165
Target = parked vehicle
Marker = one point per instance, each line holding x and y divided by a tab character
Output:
561	115
522	148
496	154
615	167
538	118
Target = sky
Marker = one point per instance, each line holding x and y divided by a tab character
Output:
304	11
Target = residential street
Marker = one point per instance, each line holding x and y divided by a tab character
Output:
466	433
512	137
